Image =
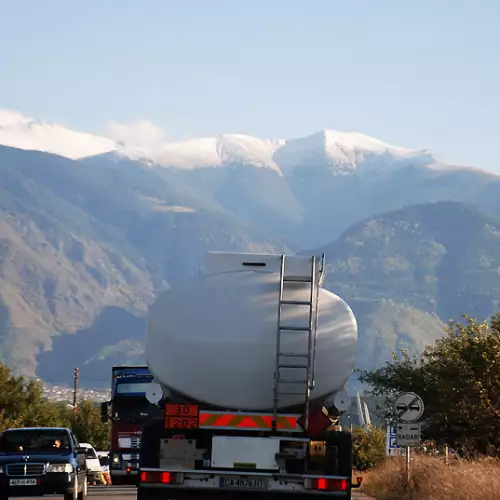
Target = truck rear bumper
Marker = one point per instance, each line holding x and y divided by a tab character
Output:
201	493
217	484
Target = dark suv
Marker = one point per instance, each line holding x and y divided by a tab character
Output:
38	461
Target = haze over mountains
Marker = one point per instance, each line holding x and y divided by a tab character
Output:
91	229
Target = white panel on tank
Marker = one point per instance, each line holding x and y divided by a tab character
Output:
214	339
230	450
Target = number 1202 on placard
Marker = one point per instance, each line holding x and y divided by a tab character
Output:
181	416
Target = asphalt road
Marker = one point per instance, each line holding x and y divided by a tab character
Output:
130	492
99	493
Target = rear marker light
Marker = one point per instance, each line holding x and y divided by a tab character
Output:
161	477
328	484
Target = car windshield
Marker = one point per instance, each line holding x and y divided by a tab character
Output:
22	440
104	460
135	387
132	408
130	403
90	453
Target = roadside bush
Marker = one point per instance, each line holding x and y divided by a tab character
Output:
87	426
432	479
22	405
368	447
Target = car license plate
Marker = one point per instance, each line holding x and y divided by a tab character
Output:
238	483
23	482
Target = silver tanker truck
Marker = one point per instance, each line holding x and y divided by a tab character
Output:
250	362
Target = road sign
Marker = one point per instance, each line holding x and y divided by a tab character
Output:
391	448
408	434
408	407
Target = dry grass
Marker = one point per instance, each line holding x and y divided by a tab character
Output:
431	479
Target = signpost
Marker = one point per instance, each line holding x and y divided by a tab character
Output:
408	409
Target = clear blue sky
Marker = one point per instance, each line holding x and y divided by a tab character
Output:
422	74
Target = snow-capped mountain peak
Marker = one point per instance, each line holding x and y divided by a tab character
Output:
210	152
23	132
339	152
343	152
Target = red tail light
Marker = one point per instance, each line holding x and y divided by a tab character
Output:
327	484
160	477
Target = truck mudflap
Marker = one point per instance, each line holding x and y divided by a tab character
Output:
155	483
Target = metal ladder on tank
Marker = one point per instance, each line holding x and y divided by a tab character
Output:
306	367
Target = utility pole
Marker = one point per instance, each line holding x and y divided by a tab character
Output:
75	390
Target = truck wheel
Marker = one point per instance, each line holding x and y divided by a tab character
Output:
142	494
339	453
150	443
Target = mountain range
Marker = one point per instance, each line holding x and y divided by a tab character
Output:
91	229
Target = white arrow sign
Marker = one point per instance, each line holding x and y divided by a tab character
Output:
408	407
408	434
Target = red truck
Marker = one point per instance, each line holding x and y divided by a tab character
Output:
127	410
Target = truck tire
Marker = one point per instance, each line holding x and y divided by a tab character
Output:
339	444
150	443
339	453
143	494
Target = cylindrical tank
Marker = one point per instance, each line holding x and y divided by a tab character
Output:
214	340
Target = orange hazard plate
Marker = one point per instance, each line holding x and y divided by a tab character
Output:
182	416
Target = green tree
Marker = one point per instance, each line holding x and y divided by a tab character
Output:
459	381
22	405
20	400
87	425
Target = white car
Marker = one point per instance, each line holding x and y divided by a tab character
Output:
104	460
93	464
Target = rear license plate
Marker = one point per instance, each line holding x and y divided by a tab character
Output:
243	484
23	482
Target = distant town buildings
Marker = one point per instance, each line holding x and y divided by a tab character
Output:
62	393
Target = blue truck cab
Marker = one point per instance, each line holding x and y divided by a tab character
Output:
36	461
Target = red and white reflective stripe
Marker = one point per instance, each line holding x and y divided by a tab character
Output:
250	421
